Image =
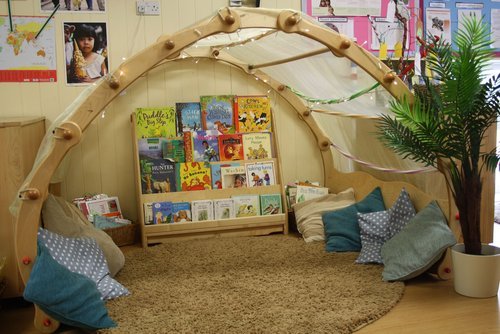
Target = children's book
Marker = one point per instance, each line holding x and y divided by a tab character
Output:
173	149
270	204
150	147
217	113
246	205
233	177
157	175
305	193
257	145
155	122
231	147
206	146
260	173
181	212
162	212
202	210
194	176
223	208
215	173
188	116
252	113
148	214
188	146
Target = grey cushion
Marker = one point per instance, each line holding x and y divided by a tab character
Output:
418	246
378	227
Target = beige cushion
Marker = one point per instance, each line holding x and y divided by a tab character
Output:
308	213
64	218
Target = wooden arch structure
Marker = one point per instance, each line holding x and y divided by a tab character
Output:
168	48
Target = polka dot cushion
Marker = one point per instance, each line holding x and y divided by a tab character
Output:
83	256
378	227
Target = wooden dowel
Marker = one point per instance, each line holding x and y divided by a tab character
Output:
286	60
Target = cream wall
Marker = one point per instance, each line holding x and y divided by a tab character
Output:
103	161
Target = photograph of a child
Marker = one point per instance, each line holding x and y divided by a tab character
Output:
85	51
74	5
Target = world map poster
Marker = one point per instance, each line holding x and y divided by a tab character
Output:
24	58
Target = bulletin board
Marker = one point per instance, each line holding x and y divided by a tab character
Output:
445	16
366	21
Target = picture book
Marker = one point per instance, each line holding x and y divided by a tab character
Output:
148	214
194	176
260	173
206	146
233	177
231	147
155	122
188	146
162	212
215	173
252	113
150	147
270	204
246	205
305	193
188	116
217	113
223	208
181	212
107	207
173	149
157	175
202	210
257	145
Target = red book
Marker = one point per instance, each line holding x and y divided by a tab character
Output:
231	147
188	146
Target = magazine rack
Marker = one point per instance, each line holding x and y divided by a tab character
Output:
67	131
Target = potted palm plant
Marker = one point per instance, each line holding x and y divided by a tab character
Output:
447	122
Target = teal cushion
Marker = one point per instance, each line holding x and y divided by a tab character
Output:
68	297
418	245
341	226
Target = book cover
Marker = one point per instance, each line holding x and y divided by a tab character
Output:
217	113
194	176
181	212
206	146
246	205
155	122
173	149
188	146
260	173
188	116
215	173
257	145
224	208
233	177
252	113
270	204
162	212
148	214
231	147
150	147
305	193
202	210
157	175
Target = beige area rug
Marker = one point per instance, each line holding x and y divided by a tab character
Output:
269	284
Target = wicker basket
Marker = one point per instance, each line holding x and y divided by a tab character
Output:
123	235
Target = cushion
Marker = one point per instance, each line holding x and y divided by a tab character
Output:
83	256
378	227
418	246
68	297
64	218
341	226
308	213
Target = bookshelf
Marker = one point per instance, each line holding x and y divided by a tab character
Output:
241	226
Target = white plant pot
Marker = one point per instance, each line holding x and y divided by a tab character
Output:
476	275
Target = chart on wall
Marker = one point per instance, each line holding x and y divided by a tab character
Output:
27	49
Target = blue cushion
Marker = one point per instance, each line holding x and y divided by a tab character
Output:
68	297
378	227
418	245
341	226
